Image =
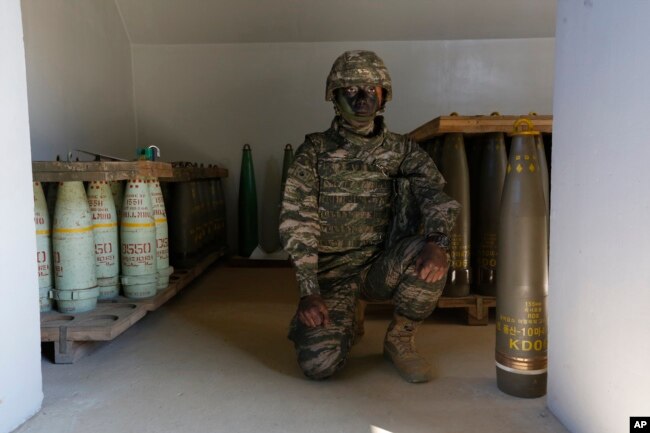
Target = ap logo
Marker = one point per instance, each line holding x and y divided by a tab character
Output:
639	424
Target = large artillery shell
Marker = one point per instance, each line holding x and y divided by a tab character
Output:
543	169
492	173
287	160
454	169
248	235
162	235
43	248
73	248
212	214
222	241
204	214
102	207
182	228
138	241
522	275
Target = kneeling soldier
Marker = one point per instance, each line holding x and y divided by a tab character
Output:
363	217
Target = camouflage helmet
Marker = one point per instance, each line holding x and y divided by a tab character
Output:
355	68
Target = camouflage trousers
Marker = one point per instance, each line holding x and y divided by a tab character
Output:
391	275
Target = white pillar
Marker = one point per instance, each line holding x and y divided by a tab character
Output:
20	368
599	288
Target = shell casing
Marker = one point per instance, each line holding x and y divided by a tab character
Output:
287	160
522	276
182	227
454	168
203	194
544	173
220	206
43	247
211	215
73	250
248	234
138	241
492	173
105	231
214	212
543	169
162	235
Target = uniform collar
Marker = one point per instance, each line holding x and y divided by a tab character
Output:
358	139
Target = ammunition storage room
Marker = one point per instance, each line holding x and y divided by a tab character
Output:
174	116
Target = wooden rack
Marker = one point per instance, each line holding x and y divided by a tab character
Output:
58	171
75	335
476	125
183	174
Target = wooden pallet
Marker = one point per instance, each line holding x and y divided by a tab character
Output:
76	335
475	308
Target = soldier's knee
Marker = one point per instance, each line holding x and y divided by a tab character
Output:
416	299
323	364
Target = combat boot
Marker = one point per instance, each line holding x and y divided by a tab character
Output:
399	348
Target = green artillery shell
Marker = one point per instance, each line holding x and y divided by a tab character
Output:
248	236
287	160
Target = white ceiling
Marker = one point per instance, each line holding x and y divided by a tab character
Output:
233	21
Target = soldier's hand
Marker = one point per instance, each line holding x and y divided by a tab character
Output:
312	311
431	265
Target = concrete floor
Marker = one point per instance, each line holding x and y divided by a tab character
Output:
216	359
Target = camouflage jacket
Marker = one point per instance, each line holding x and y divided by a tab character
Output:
390	156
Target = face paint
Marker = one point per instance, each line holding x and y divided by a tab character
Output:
359	102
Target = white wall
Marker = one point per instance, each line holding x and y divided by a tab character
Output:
251	21
20	369
203	102
599	288
79	74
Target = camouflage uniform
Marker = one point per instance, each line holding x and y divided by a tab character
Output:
355	214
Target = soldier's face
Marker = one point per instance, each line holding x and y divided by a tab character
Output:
360	100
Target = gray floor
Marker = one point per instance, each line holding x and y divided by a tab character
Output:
216	359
